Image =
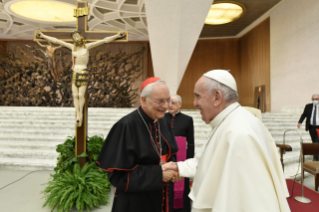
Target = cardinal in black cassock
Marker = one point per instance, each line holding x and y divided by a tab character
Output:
182	126
134	150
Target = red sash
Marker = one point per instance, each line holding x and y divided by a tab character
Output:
164	158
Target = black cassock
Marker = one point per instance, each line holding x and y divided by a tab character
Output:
133	163
182	125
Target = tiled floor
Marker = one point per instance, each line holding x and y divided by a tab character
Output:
24	195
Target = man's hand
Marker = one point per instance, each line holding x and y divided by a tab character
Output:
170	166
176	178
168	175
298	125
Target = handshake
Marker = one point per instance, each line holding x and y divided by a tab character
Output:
170	172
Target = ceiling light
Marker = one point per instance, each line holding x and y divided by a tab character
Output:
222	13
44	11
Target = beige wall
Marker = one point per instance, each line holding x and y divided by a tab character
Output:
294	47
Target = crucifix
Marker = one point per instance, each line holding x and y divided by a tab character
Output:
80	57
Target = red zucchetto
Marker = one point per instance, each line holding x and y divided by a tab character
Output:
149	81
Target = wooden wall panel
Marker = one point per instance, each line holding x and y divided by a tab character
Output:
3	49
150	70
208	55
254	63
248	59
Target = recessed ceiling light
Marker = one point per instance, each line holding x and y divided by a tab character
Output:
44	11
222	13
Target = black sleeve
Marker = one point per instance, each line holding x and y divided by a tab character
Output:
190	139
119	155
173	158
303	115
141	179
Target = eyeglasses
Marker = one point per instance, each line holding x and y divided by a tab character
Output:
161	101
172	103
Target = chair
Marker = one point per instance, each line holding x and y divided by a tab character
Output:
256	112
311	167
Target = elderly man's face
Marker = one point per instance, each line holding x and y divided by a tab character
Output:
315	97
156	105
204	100
174	105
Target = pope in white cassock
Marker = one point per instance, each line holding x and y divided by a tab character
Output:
238	170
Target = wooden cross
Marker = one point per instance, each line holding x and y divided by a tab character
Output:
81	25
81	13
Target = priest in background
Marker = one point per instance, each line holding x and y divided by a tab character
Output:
183	129
238	170
134	150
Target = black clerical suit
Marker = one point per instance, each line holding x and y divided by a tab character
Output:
133	163
307	113
182	125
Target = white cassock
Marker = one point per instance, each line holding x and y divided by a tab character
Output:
239	169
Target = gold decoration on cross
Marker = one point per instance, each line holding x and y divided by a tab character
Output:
81	11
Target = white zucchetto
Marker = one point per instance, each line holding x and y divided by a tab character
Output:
223	77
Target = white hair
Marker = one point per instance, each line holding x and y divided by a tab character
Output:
228	94
147	90
179	98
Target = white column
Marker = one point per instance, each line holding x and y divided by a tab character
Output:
174	27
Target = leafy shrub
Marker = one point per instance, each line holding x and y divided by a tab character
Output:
94	146
86	188
71	185
67	156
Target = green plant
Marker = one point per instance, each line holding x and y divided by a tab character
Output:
67	155
71	185
86	188
94	146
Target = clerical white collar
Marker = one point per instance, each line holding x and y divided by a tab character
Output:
219	118
176	113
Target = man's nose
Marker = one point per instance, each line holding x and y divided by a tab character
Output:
166	104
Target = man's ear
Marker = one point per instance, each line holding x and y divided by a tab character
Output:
143	98
218	97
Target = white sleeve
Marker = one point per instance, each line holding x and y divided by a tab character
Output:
188	167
